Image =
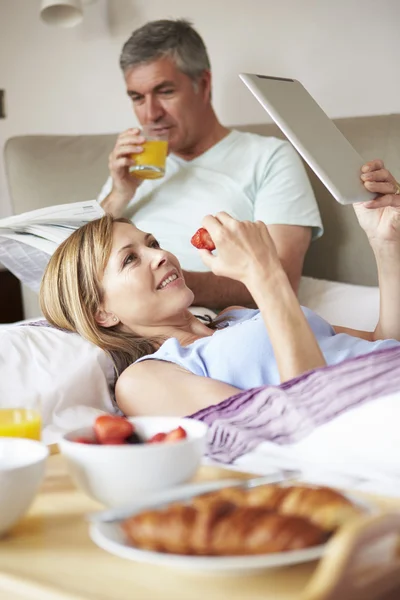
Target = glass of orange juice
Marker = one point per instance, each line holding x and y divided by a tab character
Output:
150	164
20	422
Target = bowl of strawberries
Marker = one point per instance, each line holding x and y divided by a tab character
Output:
119	460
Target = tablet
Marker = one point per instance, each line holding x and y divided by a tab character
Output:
332	158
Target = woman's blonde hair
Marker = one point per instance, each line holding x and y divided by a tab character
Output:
71	292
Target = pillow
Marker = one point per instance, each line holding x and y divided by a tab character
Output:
344	304
71	378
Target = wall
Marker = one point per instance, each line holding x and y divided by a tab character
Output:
67	81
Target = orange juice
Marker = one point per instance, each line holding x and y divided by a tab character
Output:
150	164
20	422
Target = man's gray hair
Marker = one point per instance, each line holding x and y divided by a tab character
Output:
175	39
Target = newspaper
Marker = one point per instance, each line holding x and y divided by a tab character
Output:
28	240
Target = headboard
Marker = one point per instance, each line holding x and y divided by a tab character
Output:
53	169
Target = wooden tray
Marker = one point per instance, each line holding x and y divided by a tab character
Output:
49	556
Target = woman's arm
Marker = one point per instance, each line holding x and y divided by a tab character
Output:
388	263
247	253
155	387
295	347
380	220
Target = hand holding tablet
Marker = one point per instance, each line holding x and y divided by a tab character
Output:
313	134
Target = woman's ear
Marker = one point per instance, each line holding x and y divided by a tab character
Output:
106	319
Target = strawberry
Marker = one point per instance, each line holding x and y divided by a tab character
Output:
175	435
202	240
157	438
111	429
83	440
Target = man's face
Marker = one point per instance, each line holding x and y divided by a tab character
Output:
167	99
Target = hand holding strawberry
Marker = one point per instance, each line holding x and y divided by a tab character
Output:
246	250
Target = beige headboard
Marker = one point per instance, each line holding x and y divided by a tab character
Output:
43	170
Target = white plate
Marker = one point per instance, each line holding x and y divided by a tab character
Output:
112	538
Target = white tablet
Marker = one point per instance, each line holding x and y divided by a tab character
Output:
312	133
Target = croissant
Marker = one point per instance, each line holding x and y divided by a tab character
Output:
220	528
323	506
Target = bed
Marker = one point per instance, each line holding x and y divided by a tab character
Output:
339	283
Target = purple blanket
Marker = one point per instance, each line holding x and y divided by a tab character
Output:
287	413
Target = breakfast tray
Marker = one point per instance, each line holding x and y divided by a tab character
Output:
49	556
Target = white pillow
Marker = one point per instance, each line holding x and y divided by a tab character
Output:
344	304
71	378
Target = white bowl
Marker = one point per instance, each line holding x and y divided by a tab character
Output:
116	475
22	465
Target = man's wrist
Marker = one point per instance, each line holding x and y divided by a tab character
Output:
116	202
123	195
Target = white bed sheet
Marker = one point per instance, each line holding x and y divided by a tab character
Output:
359	449
344	304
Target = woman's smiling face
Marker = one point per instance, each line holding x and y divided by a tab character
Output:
143	285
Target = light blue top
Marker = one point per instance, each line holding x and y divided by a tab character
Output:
240	352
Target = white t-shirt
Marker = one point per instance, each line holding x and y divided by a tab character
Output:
249	176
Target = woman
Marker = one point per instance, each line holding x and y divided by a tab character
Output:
114	285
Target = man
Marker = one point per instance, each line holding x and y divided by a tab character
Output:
209	169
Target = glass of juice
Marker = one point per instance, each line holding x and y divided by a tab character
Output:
20	422
150	164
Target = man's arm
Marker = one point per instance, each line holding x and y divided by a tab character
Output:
212	291
291	243
285	202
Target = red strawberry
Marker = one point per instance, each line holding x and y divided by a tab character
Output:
175	435
202	240
157	438
83	440
111	429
